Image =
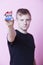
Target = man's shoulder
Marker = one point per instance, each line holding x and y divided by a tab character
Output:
30	35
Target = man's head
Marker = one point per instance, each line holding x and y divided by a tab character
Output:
23	17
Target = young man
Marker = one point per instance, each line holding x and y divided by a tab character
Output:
21	44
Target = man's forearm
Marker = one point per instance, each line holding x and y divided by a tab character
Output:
11	34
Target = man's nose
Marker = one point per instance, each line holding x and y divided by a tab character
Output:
25	22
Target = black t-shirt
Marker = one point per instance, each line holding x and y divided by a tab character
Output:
22	49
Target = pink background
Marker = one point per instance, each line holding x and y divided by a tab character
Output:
36	27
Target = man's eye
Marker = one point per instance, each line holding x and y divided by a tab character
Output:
28	19
21	19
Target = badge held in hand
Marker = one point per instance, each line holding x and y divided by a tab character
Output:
8	16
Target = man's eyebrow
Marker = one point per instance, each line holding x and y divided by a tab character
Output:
28	19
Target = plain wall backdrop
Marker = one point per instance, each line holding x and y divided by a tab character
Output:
36	27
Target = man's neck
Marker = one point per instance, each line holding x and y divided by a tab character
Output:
22	31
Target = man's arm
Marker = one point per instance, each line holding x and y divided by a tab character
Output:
11	34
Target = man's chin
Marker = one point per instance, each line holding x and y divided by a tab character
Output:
24	29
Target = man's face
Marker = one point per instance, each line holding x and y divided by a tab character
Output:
23	21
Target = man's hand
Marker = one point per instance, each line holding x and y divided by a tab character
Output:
9	23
